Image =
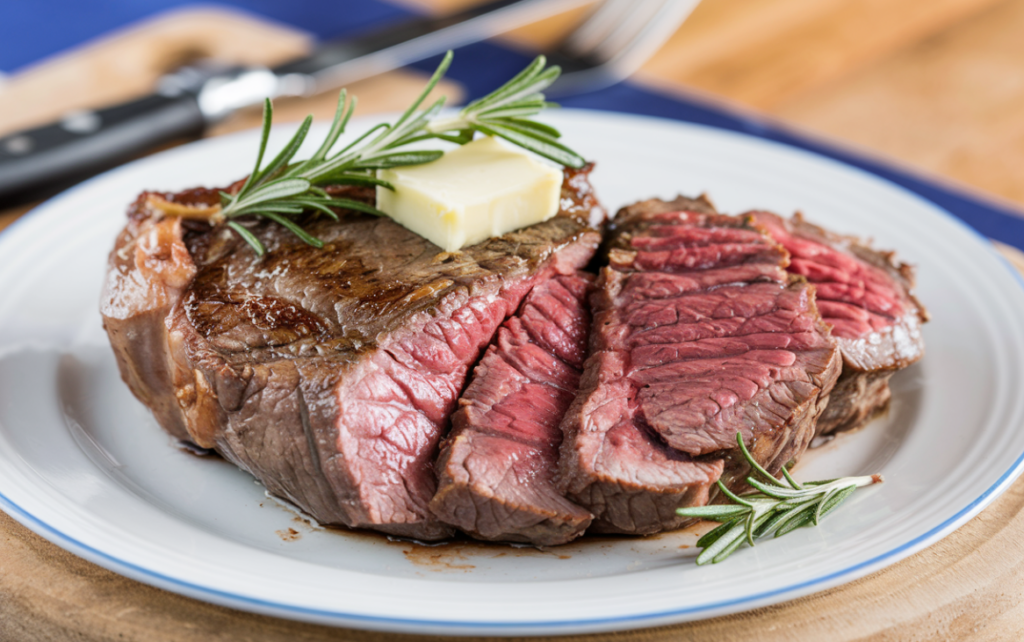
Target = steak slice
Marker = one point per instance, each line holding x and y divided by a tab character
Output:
328	374
496	468
866	296
699	334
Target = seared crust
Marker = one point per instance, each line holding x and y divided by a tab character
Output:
328	374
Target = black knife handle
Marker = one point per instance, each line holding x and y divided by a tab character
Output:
84	143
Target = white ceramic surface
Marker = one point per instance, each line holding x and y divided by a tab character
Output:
85	465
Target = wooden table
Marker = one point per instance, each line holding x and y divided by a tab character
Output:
935	84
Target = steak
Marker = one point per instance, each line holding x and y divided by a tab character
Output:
496	468
699	334
328	374
865	295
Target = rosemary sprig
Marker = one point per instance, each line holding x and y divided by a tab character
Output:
506	113
773	507
284	189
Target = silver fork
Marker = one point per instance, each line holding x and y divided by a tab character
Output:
614	41
608	46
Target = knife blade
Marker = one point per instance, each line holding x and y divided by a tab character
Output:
38	162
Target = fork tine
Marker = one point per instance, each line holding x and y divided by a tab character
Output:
642	15
615	41
596	28
643	32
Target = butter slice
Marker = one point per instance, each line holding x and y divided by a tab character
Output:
479	190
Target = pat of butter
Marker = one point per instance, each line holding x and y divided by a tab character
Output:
479	190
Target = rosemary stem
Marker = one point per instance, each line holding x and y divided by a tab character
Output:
286	189
847	482
452	123
772	508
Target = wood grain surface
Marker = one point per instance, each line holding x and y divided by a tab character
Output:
935	84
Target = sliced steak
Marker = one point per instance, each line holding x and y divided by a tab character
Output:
699	334
328	374
866	296
496	468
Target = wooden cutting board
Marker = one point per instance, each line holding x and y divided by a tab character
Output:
801	59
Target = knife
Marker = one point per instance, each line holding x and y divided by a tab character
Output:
38	162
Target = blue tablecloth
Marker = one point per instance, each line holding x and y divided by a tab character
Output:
30	31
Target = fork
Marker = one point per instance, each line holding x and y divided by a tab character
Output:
611	43
614	41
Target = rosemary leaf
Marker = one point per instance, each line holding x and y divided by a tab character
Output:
547	148
351	178
715	511
267	193
359	206
801	519
830	501
727	542
728	493
268	116
434	79
335	163
521	109
318	206
277	208
341	117
783	517
539	128
773	507
285	155
513	85
770	490
837	499
248	237
792	482
295	229
712	536
753	462
398	159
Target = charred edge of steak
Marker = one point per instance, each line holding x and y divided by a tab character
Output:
497	465
868	297
148	271
327	374
698	334
858	398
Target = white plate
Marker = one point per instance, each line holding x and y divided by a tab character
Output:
85	465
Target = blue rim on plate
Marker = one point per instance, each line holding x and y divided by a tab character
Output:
341	617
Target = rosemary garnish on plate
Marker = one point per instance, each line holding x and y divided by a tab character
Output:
284	189
773	507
